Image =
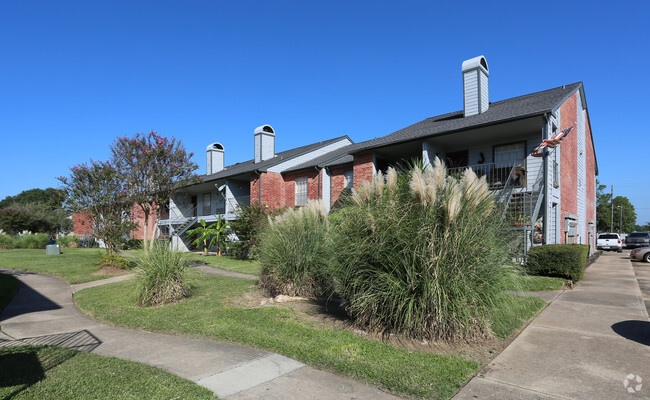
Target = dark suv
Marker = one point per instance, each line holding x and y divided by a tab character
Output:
637	239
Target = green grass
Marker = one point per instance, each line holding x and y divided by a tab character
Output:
208	313
8	288
224	262
533	283
512	312
73	265
48	372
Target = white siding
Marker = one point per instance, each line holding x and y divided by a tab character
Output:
326	188
582	171
309	156
471	92
485	98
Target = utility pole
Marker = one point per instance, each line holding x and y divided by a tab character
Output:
620	222
611	225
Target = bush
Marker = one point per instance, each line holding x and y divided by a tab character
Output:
562	260
161	276
134	244
114	261
7	242
294	252
33	241
71	241
421	254
240	249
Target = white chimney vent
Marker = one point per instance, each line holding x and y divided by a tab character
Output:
214	158
475	86
264	143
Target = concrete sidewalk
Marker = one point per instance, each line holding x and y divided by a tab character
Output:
43	312
592	342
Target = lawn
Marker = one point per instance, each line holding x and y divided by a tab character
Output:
251	267
48	372
8	288
533	283
211	312
73	265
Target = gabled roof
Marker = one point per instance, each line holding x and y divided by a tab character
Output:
336	157
514	108
250	165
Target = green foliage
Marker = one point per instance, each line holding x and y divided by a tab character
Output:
212	313
114	261
7	241
560	260
33	217
33	241
248	225
153	168
51	372
134	244
214	233
624	217
71	241
98	190
51	198
161	276
421	254
294	253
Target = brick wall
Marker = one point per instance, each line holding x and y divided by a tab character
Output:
364	169
338	181
137	216
312	186
82	224
569	162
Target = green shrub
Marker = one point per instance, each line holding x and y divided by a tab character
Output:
421	254
239	249
114	261
161	276
71	241
7	242
33	241
134	244
294	252
562	260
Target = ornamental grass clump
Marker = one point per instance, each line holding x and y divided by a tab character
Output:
421	254
294	252
161	276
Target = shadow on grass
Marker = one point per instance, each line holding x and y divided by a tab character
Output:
24	366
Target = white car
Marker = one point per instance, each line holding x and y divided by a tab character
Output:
609	241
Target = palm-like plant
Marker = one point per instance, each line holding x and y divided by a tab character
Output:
215	232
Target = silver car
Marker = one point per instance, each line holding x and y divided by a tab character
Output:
641	254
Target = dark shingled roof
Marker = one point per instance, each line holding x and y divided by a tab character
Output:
506	110
511	109
250	165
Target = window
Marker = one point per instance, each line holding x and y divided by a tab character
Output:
556	175
205	204
348	179
301	190
508	154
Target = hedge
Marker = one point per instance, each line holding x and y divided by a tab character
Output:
562	260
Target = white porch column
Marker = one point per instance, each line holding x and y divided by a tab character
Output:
428	153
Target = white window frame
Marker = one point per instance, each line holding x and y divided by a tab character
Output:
348	179
302	190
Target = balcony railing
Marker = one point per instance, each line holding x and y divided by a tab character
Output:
498	174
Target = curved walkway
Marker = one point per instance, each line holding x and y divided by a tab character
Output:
43	312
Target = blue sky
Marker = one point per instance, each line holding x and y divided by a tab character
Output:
76	75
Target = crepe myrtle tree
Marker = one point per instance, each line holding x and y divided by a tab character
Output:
97	190
154	168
